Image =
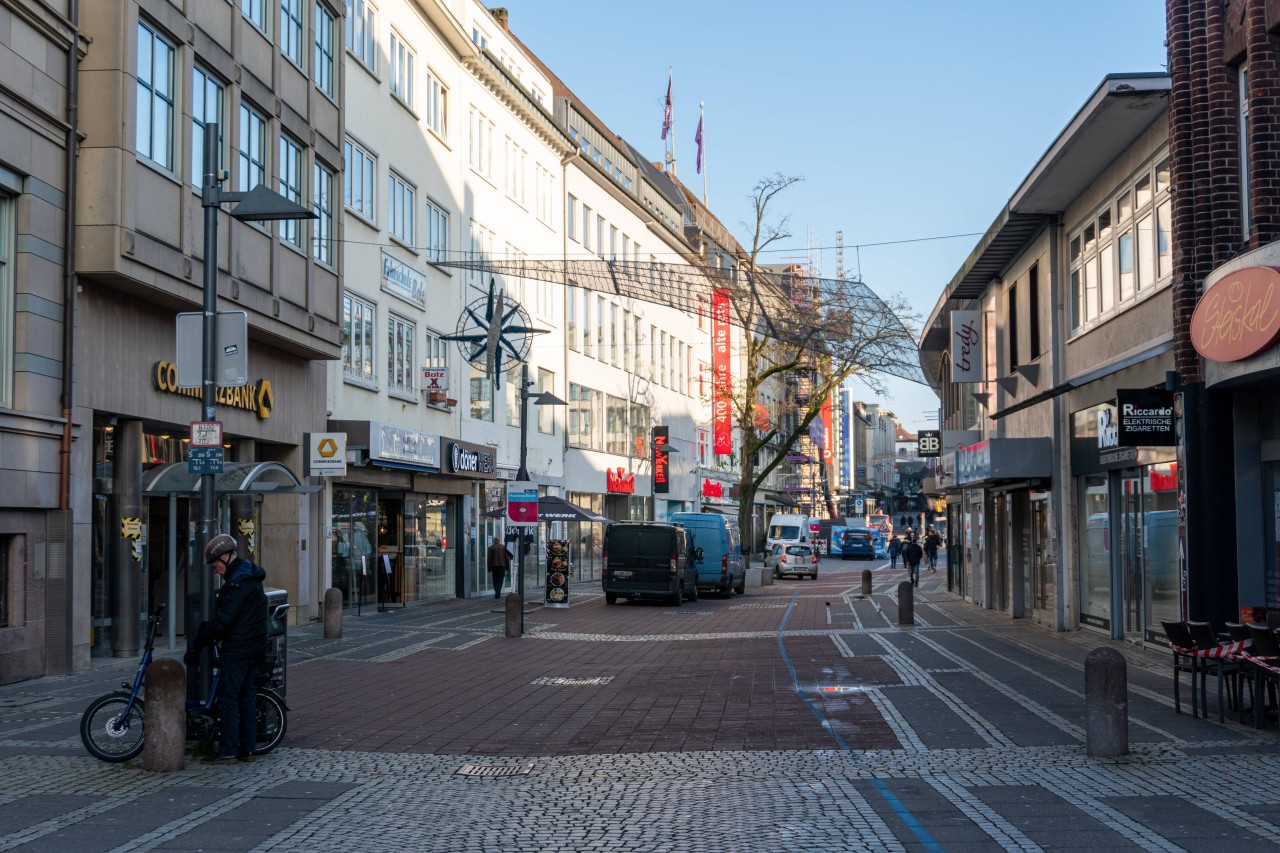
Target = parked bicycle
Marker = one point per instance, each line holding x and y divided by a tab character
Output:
113	726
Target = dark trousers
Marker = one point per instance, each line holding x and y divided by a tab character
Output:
498	573
237	707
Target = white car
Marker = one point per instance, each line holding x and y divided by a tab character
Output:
798	560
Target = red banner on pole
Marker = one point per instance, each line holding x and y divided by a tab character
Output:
721	386
827	454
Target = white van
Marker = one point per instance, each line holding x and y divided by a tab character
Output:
790	529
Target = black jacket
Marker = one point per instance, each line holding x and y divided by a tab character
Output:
240	612
912	552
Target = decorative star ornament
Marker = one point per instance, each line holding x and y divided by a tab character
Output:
493	328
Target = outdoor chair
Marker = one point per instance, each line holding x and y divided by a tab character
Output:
1226	668
1180	641
1266	650
1237	632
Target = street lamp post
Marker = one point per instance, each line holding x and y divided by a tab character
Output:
259	204
546	398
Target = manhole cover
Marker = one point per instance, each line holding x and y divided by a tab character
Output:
564	681
486	770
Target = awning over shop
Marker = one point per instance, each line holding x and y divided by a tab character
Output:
237	478
553	508
1002	459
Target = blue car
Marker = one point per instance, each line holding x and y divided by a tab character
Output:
858	543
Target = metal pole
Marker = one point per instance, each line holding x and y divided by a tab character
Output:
523	476
210	200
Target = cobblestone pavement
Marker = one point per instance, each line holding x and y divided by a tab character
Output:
798	717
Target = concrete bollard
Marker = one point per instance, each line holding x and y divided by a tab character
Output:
333	614
1106	703
514	614
165	687
906	604
866	581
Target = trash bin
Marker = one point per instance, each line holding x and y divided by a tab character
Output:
278	635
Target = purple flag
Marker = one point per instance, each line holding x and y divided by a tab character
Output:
666	113
697	137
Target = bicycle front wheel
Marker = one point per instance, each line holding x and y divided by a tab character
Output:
111	734
272	722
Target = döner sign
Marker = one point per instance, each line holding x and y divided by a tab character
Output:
1239	316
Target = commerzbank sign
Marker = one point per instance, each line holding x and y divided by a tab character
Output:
257	397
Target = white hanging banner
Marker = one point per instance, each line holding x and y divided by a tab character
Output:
966	346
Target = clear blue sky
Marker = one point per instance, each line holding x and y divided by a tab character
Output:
907	120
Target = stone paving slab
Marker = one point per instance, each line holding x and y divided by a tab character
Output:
797	717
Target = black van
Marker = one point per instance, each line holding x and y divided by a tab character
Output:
648	560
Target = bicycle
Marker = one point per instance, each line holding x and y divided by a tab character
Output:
113	727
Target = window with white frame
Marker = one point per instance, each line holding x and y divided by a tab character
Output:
481	249
435	112
515	172
435	353
613	243
586	408
1123	250
480	144
617	438
602	351
600	246
571	316
322	179
401	366
514	409
478	36
252	158
400	206
362	33
291	30
437	245
358	344
481	394
323	59
8	235
156	89
401	69
256	12
615	332
587	348
635	339
571	216
206	108
546	414
586	227
358	180
289	169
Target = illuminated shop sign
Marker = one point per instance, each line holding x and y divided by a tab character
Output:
257	397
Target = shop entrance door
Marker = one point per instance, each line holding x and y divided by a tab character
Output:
1040	579
1000	558
1131	553
389	585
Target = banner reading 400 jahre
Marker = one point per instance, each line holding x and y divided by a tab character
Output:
721	387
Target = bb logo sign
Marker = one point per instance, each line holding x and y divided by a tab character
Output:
929	442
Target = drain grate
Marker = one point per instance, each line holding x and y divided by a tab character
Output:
757	606
563	681
489	770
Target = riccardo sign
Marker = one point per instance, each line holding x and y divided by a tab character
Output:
1239	315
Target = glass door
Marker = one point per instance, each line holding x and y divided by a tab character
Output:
1040	578
1131	553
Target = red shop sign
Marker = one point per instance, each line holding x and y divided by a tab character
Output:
1239	316
616	480
712	490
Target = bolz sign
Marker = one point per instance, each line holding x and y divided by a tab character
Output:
1145	417
618	481
966	346
721	390
1239	316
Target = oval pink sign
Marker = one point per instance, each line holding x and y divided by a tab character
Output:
1239	316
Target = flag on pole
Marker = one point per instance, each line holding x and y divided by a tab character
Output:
697	138
666	113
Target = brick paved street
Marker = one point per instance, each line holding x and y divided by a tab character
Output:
798	717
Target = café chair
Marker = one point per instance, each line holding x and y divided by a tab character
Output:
1266	650
1181	643
1237	632
1226	668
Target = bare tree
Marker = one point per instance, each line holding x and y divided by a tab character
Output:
802	338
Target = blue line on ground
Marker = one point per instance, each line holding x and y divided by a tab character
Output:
896	804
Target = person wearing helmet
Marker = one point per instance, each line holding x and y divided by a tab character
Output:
239	626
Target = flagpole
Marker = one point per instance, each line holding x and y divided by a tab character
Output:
702	124
671	134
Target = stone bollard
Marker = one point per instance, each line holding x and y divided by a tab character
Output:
866	581
333	614
165	687
515	614
906	604
1106	703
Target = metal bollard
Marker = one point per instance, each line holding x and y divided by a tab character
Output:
866	581
1106	703
333	614
906	604
166	720
515	614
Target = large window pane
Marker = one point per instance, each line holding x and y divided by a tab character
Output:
155	90
616	433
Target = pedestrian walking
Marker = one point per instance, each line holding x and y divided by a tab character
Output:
239	626
895	548
499	561
912	554
932	542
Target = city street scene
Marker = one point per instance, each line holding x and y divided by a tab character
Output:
444	425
